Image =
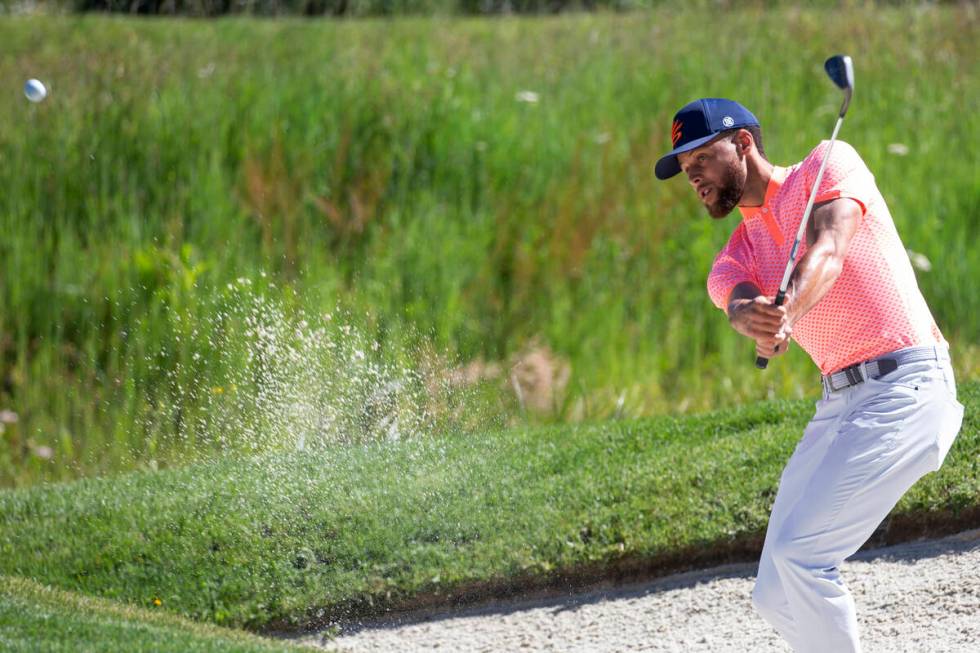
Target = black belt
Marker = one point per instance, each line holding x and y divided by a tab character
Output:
879	367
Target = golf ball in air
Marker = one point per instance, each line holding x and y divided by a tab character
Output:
35	91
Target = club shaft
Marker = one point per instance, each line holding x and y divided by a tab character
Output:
760	361
809	209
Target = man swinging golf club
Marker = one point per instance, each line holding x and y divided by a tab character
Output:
888	414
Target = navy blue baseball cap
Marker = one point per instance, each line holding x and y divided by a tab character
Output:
696	124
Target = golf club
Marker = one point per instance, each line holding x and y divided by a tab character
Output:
841	71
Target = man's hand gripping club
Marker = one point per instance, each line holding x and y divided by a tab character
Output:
757	317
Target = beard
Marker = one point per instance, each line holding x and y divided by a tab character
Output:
729	191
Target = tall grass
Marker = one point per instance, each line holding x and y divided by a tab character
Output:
468	186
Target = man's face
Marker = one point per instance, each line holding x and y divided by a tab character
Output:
717	173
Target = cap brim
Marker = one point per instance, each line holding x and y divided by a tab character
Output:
668	166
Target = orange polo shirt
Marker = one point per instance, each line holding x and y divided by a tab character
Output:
874	307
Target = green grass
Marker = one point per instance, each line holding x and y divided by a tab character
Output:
391	167
288	540
34	617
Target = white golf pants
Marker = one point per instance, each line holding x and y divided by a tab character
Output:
864	448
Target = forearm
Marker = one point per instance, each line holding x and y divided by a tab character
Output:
812	279
830	233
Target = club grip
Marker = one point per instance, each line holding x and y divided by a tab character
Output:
760	362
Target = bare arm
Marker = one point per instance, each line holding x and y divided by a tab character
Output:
829	234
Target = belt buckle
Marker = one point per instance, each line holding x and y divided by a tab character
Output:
855	374
852	376
858	373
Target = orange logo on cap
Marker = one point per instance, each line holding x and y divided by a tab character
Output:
675	132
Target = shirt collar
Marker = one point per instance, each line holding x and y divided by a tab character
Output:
775	183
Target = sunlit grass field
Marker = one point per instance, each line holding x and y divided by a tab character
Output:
459	191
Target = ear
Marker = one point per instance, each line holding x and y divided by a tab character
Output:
744	141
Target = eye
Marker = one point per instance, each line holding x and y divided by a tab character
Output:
702	158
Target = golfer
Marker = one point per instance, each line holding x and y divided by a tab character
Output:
888	413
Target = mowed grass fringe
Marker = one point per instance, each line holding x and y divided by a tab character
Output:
290	540
34	617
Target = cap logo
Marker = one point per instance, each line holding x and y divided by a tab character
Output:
728	121
675	132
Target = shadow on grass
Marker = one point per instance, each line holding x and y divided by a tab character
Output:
558	603
634	577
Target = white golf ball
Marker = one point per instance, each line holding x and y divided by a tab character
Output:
35	91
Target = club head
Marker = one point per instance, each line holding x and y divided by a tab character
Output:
841	71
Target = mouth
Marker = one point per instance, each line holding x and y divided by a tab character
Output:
703	193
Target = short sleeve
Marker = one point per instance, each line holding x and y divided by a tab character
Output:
846	174
733	265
